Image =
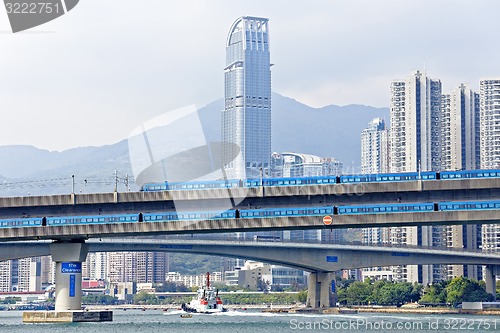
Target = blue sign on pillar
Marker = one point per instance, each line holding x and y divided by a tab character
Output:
72	280
333	286
71	267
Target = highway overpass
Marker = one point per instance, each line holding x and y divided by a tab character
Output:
321	260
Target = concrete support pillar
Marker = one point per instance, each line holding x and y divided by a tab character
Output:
490	280
68	258
320	293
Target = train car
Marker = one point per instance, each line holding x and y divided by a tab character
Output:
204	184
284	181
265	238
292	211
386	208
22	222
388	177
461	174
468	205
176	216
96	219
191	185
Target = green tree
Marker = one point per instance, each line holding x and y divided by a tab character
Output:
359	293
461	289
434	293
498	289
302	296
390	293
342	295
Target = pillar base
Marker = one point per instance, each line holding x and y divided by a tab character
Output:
66	316
319	293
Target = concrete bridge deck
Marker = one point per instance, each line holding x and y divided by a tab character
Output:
85	231
286	196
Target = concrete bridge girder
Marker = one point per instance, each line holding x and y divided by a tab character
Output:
309	257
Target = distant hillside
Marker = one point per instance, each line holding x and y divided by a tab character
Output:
331	131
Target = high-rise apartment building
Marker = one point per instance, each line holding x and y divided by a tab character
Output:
415	145
460	144
460	150
463	237
375	159
375	147
20	275
141	267
415	109
246	118
94	267
489	91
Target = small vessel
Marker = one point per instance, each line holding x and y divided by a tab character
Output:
186	315
207	300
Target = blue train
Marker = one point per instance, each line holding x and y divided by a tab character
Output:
344	179
252	213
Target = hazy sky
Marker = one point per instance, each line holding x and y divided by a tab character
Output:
91	76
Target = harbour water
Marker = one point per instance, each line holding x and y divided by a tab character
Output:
156	321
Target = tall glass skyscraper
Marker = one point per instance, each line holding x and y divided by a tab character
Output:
246	118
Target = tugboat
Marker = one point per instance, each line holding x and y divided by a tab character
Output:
207	300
